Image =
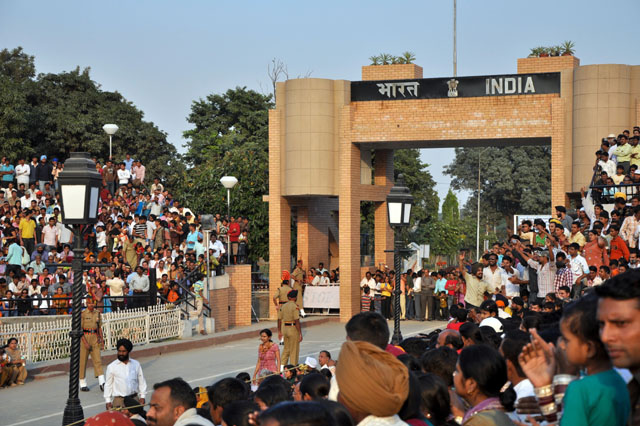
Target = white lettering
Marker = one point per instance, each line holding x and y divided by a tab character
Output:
519	84
487	83
528	87
391	89
496	86
509	85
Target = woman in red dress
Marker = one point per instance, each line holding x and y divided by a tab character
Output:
595	251
268	354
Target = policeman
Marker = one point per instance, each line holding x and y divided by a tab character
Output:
91	343
289	320
298	280
281	295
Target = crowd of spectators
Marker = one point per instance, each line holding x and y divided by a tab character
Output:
147	241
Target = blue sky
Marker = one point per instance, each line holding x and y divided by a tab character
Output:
161	55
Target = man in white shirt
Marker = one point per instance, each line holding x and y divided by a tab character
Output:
173	403
116	286
124	378
579	268
368	281
22	173
123	175
492	274
508	272
50	235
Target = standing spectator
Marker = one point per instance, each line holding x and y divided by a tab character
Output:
27	231
22	171
123	175
234	233
138	173
50	235
109	176
32	171
6	171
140	285
617	245
44	172
128	162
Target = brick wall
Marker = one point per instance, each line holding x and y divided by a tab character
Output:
547	64
239	295
391	72
219	302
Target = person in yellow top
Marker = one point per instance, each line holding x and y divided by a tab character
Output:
90	344
576	236
635	150
27	231
289	329
385	293
623	152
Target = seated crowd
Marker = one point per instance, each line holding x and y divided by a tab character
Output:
140	228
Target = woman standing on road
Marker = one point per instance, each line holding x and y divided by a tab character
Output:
268	354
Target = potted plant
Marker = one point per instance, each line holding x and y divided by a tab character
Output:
407	58
536	52
544	52
375	60
555	50
567	48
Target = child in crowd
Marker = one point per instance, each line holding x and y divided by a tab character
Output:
443	312
365	300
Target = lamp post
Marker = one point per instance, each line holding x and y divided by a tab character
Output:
478	211
399	203
228	182
79	189
110	129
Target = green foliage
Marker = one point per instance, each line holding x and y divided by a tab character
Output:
421	185
389	59
450	209
59	113
566	48
230	137
443	237
513	180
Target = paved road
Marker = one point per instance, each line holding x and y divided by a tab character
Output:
42	402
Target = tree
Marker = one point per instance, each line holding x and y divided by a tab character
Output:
421	185
450	210
230	137
55	114
513	179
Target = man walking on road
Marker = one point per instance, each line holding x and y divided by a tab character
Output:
124	378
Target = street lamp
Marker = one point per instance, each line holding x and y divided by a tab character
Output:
399	203
478	211
79	189
228	182
111	129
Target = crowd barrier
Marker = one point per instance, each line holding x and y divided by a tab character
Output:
49	340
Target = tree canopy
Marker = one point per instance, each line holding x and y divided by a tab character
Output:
513	180
230	137
57	113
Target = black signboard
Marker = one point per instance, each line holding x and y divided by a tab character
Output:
458	87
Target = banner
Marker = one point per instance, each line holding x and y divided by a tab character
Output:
326	297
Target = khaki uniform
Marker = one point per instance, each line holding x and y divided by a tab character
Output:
281	295
288	315
17	373
298	277
91	323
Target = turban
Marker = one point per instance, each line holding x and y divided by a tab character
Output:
285	276
126	343
371	380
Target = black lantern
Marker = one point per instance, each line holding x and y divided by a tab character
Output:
399	203
80	185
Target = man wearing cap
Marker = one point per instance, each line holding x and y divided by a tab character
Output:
289	329
281	295
44	172
91	344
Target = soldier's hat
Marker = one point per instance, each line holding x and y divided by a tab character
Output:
292	294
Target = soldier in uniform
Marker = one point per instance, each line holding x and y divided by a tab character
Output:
289	328
281	296
90	345
298	280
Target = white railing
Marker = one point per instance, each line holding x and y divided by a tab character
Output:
49	340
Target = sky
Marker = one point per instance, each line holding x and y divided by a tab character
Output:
162	55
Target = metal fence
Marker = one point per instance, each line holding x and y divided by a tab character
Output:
49	340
